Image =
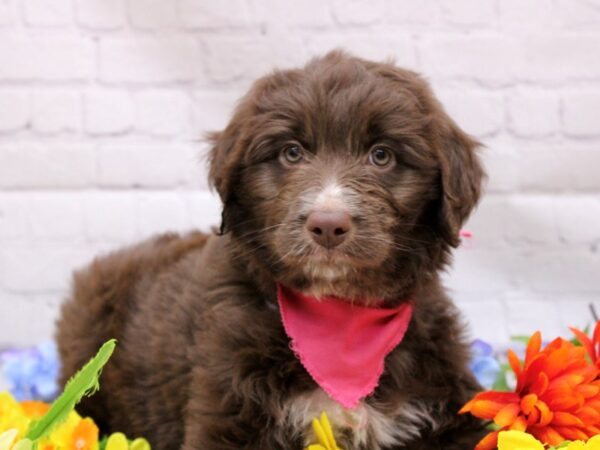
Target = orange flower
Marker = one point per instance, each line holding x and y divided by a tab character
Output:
592	346
556	397
34	409
85	435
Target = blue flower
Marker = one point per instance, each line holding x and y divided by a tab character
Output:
32	374
483	364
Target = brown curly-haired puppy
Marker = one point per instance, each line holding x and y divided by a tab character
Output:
344	178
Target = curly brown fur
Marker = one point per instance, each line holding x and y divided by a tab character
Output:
203	361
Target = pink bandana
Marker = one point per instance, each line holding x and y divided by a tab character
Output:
342	346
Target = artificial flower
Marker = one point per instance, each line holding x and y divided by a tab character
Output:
32	373
12	415
518	440
556	397
8	439
483	364
34	409
324	434
118	441
592	346
84	436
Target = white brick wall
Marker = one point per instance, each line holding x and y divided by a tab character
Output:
102	102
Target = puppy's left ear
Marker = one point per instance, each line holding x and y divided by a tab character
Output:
223	170
461	176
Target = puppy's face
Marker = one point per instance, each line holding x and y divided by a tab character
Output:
344	178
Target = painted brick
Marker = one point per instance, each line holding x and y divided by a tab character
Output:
110	217
143	165
399	48
7	17
424	12
14	218
214	15
205	210
56	217
108	111
161	113
541	58
152	14
57	111
52	13
308	14
579	220
469	12
46	165
527	16
21	314
41	268
479	113
161	212
212	110
15	111
460	57
103	15
233	58
533	113
525	315
354	12
148	60
48	58
581	113
477	313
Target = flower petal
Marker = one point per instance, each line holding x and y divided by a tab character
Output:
545	413
528	402
518	440
489	441
572	433
561	419
507	415
533	346
593	443
585	341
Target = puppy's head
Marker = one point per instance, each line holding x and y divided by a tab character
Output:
344	178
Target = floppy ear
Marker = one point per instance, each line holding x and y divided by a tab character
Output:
223	170
461	176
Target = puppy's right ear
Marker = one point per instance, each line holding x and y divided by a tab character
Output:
222	171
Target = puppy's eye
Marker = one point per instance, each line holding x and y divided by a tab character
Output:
292	154
381	157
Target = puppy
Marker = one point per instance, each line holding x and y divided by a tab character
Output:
344	185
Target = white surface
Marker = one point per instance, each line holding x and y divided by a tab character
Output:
101	103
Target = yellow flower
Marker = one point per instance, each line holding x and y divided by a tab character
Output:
518	440
9	441
12	415
322	429
118	441
61	437
8	438
592	444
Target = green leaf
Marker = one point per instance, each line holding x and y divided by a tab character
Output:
84	383
521	338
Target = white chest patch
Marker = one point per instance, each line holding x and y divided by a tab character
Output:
366	424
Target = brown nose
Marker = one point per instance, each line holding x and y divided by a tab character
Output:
329	228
